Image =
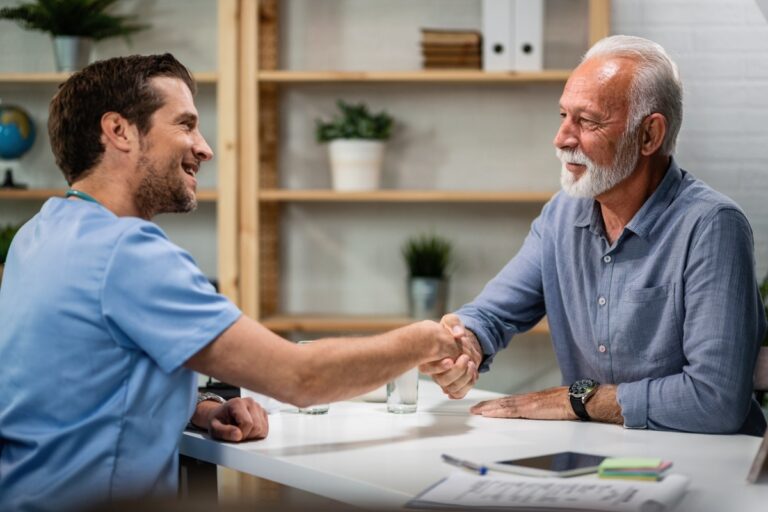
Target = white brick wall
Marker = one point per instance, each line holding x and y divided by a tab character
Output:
721	47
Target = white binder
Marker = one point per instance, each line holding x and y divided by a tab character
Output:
513	35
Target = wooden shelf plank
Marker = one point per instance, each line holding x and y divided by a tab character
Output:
208	77
205	195
404	196
322	323
423	76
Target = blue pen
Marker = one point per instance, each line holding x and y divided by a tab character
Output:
475	468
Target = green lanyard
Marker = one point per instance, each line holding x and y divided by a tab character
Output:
80	195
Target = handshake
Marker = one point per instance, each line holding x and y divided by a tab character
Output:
456	376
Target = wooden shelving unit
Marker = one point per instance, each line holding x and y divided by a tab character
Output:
331	324
259	85
403	196
57	78
421	76
44	193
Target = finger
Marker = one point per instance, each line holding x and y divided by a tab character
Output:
461	386
453	324
457	371
501	413
219	430
438	366
260	421
242	418
486	405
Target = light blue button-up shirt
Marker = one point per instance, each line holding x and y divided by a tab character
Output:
670	311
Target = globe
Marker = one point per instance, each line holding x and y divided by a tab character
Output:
17	132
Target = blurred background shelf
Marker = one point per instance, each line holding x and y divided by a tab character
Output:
404	196
355	323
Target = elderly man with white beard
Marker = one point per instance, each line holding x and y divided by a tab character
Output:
645	273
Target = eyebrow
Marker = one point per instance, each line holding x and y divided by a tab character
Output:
186	117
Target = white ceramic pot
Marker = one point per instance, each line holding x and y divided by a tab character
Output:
356	164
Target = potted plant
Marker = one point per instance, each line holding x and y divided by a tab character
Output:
6	235
73	26
428	258
356	146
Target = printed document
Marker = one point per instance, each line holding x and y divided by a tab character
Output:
463	489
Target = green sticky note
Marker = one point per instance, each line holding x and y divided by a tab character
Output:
630	463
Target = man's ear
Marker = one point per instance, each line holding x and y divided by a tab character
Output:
117	132
653	129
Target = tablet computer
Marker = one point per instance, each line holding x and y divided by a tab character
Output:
561	464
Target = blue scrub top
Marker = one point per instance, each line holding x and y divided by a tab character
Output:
98	313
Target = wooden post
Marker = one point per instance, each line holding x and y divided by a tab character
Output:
599	20
227	149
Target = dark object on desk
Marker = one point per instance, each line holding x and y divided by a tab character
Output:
224	390
761	375
758	473
9	183
562	464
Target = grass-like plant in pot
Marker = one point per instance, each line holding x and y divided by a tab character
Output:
429	258
73	25
356	139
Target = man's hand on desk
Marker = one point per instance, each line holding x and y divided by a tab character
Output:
461	374
238	419
552	404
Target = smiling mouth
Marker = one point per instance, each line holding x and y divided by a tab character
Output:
190	169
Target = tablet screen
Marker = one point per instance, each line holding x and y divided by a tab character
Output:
563	461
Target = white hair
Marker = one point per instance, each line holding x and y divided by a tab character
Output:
656	87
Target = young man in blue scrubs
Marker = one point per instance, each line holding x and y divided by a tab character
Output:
645	273
103	318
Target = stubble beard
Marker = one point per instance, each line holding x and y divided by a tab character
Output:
598	179
162	191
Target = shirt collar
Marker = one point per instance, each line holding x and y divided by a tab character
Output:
643	221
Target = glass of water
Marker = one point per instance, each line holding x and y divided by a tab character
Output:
403	392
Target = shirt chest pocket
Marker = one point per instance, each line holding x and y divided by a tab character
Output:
647	326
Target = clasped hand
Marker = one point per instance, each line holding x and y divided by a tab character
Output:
238	419
456	376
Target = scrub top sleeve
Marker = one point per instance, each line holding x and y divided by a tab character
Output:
155	299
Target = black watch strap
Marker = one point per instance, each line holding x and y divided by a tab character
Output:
580	408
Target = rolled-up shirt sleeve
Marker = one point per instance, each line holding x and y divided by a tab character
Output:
724	323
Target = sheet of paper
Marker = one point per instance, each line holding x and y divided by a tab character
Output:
464	489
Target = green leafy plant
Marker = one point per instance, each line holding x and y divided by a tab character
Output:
82	18
6	235
428	256
355	122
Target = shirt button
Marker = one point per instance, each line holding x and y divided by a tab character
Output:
607	259
601	301
602	349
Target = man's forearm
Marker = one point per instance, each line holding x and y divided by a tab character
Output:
604	406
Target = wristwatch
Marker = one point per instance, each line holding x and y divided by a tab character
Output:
580	392
202	397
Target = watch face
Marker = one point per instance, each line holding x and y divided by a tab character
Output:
582	388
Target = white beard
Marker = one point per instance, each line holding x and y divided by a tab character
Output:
597	179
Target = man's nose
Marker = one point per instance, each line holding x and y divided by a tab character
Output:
202	150
566	138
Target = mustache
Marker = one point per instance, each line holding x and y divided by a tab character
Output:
572	156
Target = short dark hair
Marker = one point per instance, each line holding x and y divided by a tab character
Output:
121	85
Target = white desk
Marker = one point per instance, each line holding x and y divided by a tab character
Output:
361	455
